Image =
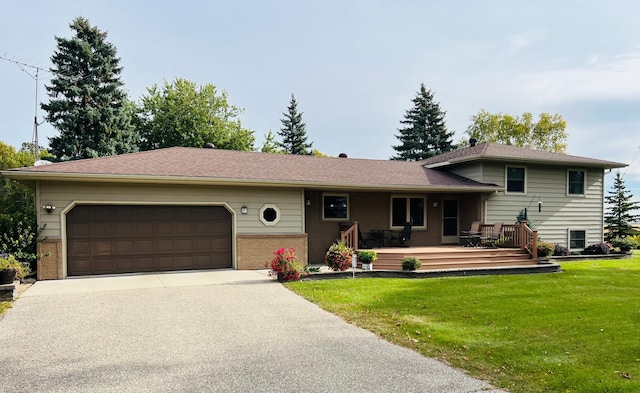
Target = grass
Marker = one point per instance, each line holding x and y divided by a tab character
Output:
575	331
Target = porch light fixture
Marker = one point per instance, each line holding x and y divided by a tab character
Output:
539	206
435	204
308	202
49	208
244	210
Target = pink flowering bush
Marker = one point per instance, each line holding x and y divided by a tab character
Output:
286	266
338	256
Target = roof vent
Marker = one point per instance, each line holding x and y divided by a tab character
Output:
209	145
473	142
342	155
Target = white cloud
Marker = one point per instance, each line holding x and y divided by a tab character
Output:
613	78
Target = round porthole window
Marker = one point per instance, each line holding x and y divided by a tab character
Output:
269	214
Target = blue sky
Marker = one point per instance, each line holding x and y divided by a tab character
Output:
354	66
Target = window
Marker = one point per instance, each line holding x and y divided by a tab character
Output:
575	183
577	239
516	179
335	207
408	209
270	215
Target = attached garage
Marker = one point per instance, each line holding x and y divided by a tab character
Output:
112	239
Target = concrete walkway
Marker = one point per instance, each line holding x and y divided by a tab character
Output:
219	331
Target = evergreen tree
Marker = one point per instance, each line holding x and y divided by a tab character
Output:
424	134
270	144
619	217
87	102
293	133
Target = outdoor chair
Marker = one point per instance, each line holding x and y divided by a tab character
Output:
471	238
491	239
365	241
401	237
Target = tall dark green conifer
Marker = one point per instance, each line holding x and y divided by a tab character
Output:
293	133
87	103
619	217
424	134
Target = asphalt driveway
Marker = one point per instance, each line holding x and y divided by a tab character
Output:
225	331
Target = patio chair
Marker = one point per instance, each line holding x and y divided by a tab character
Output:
491	239
401	237
365	241
471	238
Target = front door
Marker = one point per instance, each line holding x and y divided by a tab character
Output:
450	221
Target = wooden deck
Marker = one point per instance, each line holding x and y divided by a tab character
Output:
452	257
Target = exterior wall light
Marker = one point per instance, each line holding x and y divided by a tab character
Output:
244	210
49	208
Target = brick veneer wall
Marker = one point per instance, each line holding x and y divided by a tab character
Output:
50	262
255	250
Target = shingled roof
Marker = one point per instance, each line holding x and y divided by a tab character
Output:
178	165
500	152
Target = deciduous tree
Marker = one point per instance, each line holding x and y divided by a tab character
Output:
181	113
548	133
424	133
86	97
293	131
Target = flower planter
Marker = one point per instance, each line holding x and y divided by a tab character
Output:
367	266
7	276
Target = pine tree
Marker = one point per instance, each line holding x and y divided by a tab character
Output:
424	134
270	145
294	136
87	102
619	216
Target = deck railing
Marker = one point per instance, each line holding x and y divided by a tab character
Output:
350	235
515	235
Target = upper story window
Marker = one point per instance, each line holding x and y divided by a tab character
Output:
516	179
575	182
408	209
335	207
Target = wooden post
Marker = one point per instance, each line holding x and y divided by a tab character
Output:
355	235
534	245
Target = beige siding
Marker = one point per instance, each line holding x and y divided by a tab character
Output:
288	201
471	171
560	212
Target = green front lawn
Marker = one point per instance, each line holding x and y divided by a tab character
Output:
576	331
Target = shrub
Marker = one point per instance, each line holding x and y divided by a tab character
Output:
286	266
9	262
545	249
411	263
338	257
560	250
624	244
596	249
367	256
636	239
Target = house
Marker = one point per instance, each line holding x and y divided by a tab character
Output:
186	208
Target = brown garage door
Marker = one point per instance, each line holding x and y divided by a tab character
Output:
106	239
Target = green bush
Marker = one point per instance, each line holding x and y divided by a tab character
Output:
411	263
367	256
545	249
625	244
9	262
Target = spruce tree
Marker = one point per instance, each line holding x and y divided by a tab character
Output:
87	102
619	217
424	133
293	133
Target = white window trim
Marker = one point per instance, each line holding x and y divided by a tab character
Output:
506	180
337	195
569	230
408	212
584	183
270	223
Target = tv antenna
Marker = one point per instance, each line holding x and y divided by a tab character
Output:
36	77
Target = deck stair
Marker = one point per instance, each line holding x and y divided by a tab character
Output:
437	258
